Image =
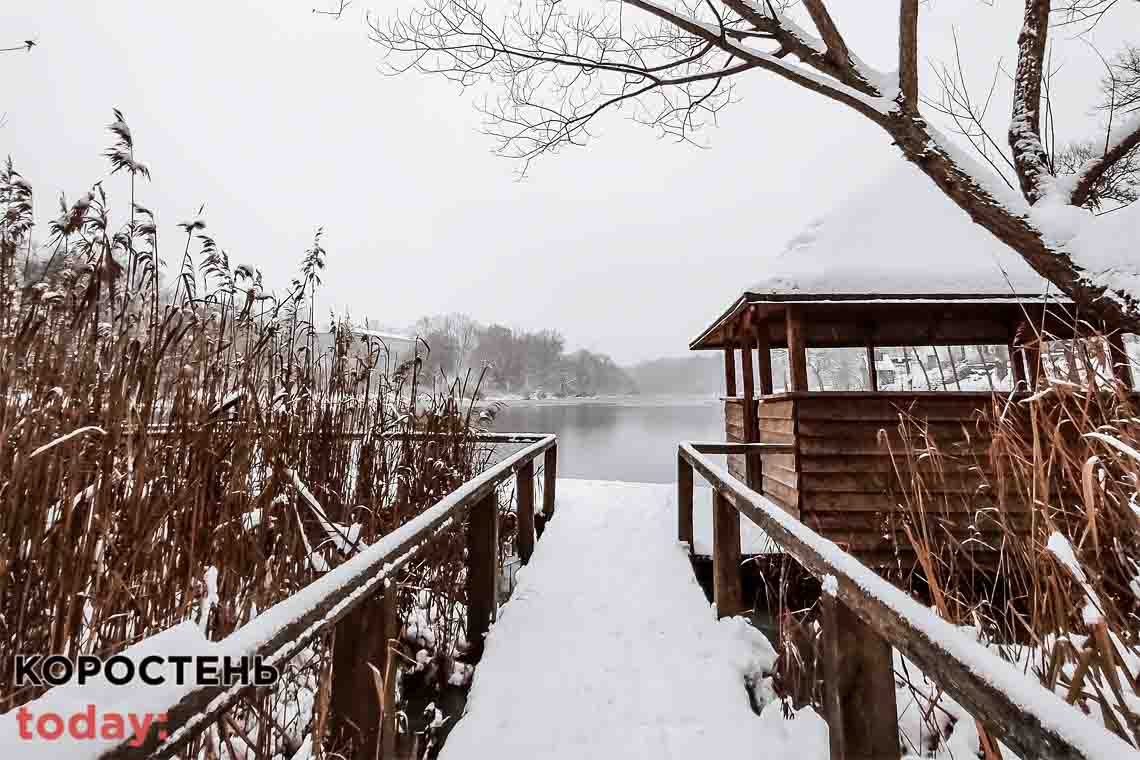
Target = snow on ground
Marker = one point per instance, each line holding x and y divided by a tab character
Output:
608	648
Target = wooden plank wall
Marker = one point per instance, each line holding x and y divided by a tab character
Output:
850	483
776	424
842	481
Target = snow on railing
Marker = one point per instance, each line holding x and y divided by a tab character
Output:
1031	720
280	632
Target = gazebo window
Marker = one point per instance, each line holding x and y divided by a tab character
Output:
943	368
837	369
1074	359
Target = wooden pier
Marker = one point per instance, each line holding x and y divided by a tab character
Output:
580	662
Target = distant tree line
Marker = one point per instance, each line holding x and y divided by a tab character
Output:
518	361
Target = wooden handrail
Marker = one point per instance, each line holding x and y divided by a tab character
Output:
734	447
281	631
685	476
1027	717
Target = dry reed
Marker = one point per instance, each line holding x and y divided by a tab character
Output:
157	445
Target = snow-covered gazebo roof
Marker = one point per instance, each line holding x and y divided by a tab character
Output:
896	241
897	236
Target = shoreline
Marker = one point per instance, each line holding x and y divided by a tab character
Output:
626	400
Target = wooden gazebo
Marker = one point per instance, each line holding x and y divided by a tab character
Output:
898	266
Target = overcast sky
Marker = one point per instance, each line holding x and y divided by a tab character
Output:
278	120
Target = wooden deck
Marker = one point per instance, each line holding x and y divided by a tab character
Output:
579	666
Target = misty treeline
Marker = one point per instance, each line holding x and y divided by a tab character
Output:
517	361
537	364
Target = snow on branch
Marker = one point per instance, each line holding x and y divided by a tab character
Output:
869	104
1029	156
908	52
1116	149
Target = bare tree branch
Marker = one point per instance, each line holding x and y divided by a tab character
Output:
1094	172
555	71
1100	176
1118	185
1029	156
794	41
836	46
1122	84
1084	14
908	53
26	46
969	116
839	92
335	13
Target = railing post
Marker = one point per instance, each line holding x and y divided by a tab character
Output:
684	502
388	726
549	476
482	564
727	593
360	643
858	687
524	505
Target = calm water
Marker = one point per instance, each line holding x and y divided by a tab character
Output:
634	441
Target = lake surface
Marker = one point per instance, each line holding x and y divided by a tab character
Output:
634	440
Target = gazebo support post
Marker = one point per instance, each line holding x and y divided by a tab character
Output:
729	370
751	461
797	351
764	359
1121	367
872	370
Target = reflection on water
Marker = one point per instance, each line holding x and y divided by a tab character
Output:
634	442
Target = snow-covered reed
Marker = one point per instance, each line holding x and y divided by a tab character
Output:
1059	590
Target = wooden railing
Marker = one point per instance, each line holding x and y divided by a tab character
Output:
754	452
864	617
361	585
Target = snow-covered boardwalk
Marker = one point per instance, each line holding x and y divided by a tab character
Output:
608	648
